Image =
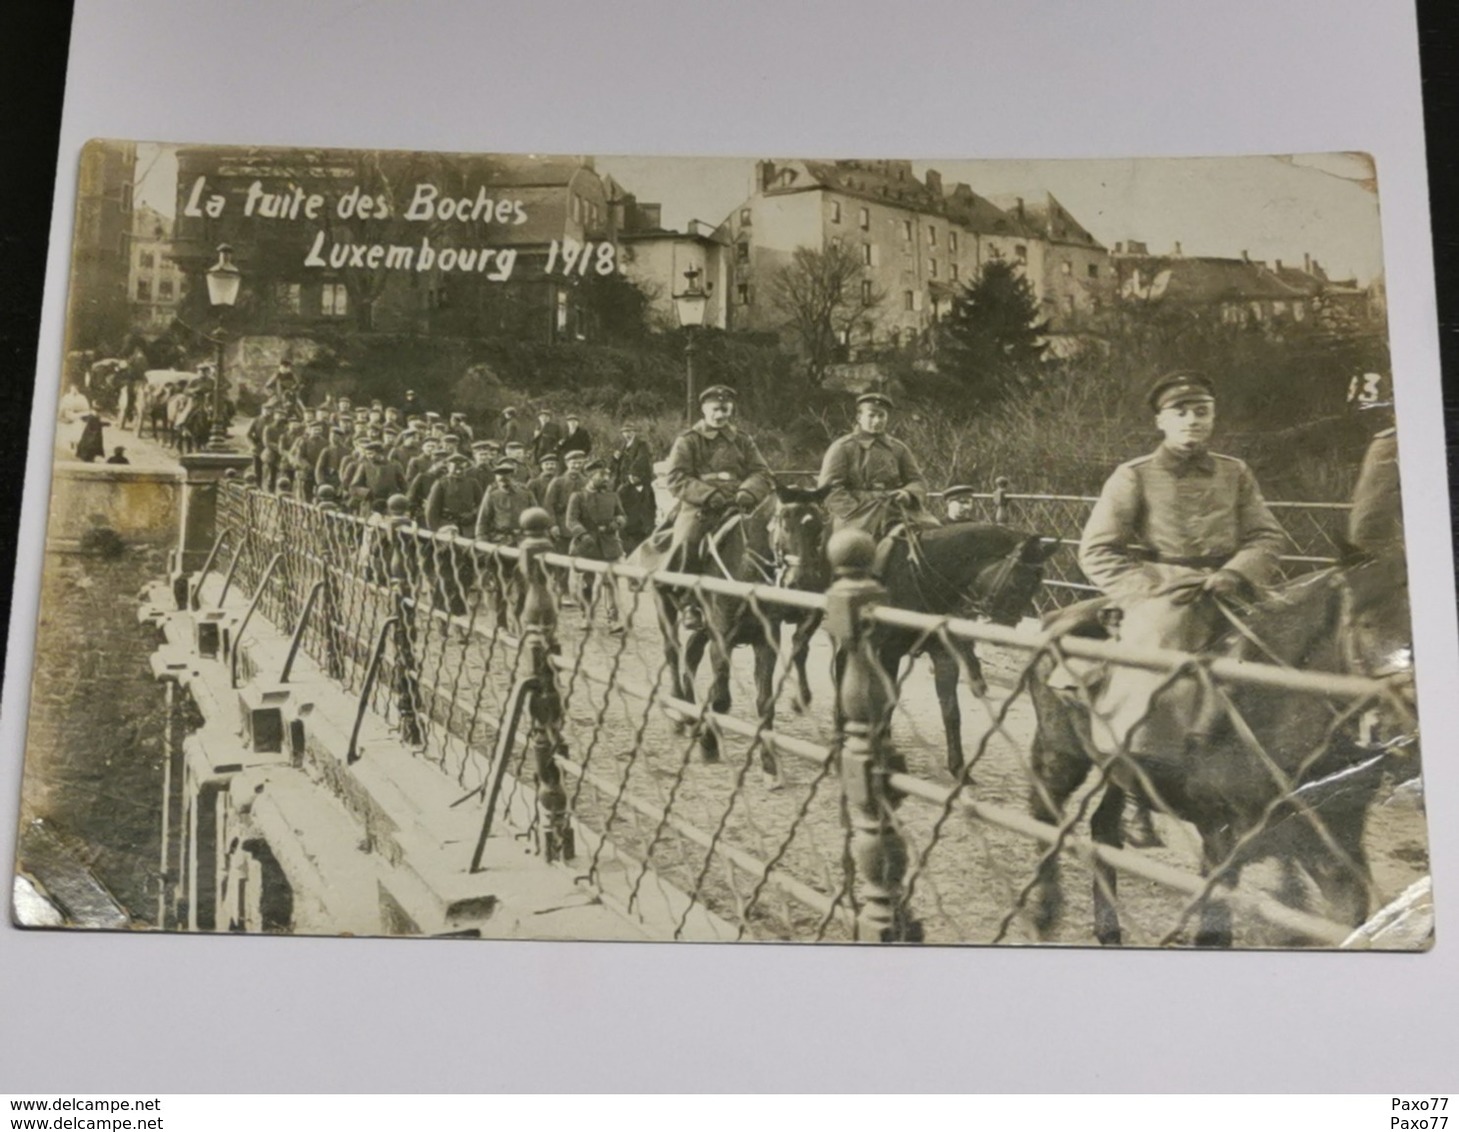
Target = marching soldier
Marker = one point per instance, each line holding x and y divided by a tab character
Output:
550	466
304	458
561	491
595	521
872	479
376	480
454	498
714	469
499	518
1182	512
632	461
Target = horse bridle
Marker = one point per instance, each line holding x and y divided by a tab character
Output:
970	600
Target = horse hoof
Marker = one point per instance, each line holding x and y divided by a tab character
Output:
1213	939
708	754
1114	938
772	781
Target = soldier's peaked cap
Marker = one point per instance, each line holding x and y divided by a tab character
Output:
575	454
1183	385
594	464
875	398
504	465
483	445
958	491
718	393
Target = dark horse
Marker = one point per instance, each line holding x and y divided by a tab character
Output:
781	543
1264	773
961	570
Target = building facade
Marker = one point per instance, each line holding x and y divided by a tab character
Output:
154	281
99	314
917	242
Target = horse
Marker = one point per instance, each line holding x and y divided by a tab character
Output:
1275	774
781	542
963	570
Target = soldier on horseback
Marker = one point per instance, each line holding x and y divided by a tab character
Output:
1182	512
714	471
874	482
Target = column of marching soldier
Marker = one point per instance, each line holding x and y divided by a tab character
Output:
380	459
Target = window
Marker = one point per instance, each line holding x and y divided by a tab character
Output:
334	300
952	244
866	291
835	212
577	208
287	297
1020	253
916	300
907	230
932	235
144	291
787	178
952	271
164	289
144	259
1068	304
1094	271
744	218
742	253
908	300
866	257
1066	268
742	294
932	268
865	219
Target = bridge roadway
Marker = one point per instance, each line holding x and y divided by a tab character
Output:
967	877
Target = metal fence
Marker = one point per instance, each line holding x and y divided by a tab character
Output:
834	819
1313	530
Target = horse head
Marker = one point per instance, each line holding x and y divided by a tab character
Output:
797	529
1003	589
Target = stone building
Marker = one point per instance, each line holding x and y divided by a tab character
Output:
154	281
658	261
99	315
919	241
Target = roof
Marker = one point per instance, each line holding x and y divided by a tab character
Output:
1047	219
886	182
1206	279
979	214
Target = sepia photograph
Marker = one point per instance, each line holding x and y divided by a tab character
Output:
778	549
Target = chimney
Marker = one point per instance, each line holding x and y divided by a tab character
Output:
1119	247
765	173
1307	263
934	182
1019	208
1244	257
1279	265
1177	251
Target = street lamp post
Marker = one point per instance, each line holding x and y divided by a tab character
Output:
224	280
690	305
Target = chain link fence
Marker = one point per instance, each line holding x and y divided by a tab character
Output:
834	816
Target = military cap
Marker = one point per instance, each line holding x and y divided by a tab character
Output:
593	465
575	454
451	438
373	446
458	416
1183	385
718	393
958	491
433	417
340	430
876	398
505	465
544	411
509	412
572	417
550	458
455	460
482	445
325	492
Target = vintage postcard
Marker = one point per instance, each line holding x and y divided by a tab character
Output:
792	549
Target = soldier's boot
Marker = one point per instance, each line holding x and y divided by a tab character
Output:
884	549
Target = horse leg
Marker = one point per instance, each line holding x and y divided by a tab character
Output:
765	707
945	677
1105	827
1217	841
688	668
800	647
718	696
1058	765
1343	884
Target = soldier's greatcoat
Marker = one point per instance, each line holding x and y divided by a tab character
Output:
454	500
862	469
633	460
499	518
594	519
1375	523
1163	516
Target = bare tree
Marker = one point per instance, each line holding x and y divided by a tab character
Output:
826	300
